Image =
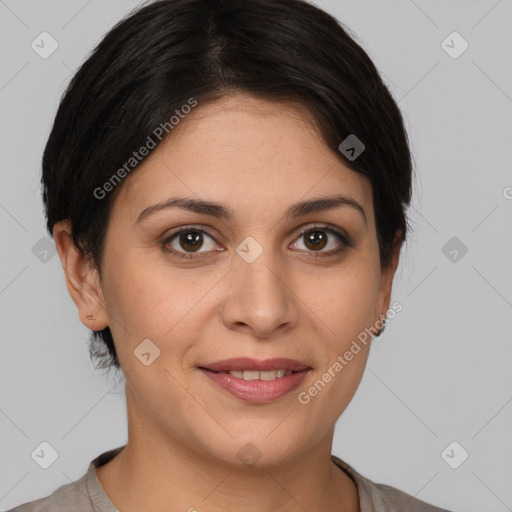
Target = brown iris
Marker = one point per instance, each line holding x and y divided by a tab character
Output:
191	240
318	239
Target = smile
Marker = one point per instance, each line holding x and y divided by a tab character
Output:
259	375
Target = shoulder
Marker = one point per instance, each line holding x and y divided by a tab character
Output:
398	500
72	496
376	496
83	495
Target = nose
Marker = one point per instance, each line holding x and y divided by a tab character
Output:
259	298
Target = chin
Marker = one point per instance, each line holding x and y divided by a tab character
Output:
254	448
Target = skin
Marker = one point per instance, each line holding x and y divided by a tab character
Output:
184	432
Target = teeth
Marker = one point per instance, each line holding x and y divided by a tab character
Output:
268	375
251	375
261	375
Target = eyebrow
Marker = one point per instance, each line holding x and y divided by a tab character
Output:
224	212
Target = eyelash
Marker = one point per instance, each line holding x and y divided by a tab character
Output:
344	239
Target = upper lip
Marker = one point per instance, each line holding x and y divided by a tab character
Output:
247	363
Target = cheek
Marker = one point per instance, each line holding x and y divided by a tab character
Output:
344	301
151	300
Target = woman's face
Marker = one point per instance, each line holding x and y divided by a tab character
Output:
247	286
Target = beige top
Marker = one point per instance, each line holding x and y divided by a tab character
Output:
87	494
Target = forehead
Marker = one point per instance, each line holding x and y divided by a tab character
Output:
249	153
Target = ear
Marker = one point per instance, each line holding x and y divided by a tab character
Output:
386	281
82	279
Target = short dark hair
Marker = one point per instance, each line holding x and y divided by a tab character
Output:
163	54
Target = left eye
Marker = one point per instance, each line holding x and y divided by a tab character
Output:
316	239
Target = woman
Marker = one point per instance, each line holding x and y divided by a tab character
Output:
227	183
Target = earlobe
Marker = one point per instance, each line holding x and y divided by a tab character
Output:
82	279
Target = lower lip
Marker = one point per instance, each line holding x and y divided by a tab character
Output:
257	391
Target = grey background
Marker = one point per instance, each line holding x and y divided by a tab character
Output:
441	370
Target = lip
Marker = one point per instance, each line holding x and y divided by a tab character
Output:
248	363
257	391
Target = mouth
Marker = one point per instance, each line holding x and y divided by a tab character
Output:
252	369
257	374
257	381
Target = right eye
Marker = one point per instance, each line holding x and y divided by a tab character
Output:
187	238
